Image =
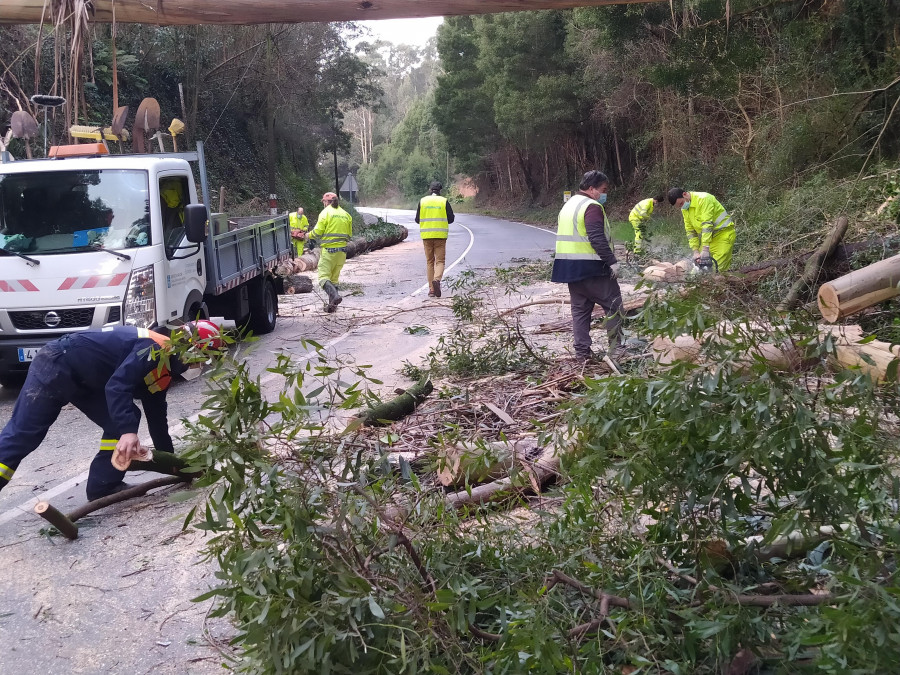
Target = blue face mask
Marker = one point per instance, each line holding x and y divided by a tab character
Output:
686	205
602	198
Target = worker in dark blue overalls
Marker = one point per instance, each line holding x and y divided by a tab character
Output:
102	373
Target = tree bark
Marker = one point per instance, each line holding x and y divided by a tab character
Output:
65	523
859	289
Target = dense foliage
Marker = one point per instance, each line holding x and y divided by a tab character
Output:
746	99
712	94
642	556
267	100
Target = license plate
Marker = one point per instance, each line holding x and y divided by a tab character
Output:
27	354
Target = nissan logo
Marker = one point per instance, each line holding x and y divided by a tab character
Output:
51	319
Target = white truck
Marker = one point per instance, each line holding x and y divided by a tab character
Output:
89	240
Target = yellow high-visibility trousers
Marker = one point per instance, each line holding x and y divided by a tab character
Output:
638	235
720	248
330	265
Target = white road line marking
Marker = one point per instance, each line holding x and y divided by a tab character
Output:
455	262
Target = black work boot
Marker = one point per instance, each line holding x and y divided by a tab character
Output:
436	288
334	298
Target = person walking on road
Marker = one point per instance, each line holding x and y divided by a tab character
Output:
586	262
709	228
333	231
102	372
640	217
299	228
434	214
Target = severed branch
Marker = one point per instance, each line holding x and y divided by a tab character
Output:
608	600
66	523
532	303
814	265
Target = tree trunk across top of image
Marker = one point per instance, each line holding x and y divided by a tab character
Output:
190	12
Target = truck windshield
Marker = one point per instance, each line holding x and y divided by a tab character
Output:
72	211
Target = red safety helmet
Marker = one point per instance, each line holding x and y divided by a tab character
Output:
205	336
329	197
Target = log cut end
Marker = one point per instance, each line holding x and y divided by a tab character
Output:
829	304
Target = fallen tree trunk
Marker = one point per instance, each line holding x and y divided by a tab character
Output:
813	265
239	12
859	289
399	407
836	265
166	463
470	463
544	468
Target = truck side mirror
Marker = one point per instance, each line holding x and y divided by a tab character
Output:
196	223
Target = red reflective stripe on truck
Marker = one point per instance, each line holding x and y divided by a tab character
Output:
17	285
93	282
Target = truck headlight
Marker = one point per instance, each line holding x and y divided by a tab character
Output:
140	300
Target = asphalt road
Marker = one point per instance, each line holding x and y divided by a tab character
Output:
80	606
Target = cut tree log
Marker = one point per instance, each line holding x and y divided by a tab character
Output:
860	289
666	271
814	265
297	283
399	407
238	12
57	519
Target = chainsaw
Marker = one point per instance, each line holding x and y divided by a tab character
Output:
706	265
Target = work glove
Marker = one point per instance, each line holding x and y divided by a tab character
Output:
614	270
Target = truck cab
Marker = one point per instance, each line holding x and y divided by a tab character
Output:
95	241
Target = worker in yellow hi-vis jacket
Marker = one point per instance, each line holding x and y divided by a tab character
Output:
333	231
299	228
640	217
434	214
710	230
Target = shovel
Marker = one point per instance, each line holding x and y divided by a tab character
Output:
24	126
175	128
146	120
46	102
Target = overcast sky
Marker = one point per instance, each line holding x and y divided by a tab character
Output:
404	31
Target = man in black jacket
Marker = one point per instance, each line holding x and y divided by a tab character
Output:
586	262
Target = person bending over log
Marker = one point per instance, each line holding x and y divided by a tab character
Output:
709	228
102	372
299	227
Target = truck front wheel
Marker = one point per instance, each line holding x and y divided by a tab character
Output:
263	308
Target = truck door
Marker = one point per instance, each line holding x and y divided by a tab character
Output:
185	276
